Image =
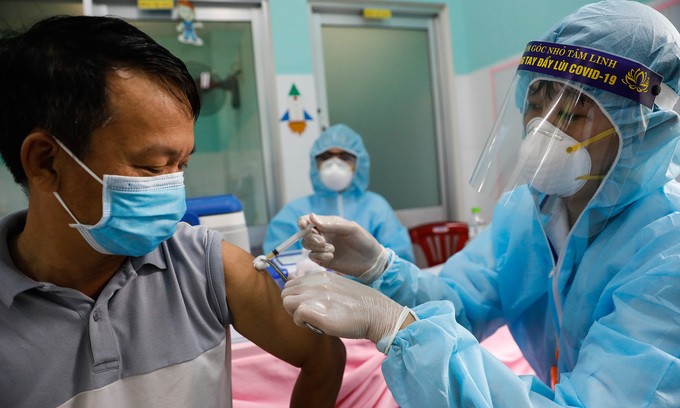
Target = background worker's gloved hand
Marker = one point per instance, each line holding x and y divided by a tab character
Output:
344	246
342	307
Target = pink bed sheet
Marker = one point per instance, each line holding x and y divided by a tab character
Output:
260	380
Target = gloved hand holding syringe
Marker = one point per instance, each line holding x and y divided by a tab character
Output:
262	261
348	308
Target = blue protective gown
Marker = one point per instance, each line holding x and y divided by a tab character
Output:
609	301
356	203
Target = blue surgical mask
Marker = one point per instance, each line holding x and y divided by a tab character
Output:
138	213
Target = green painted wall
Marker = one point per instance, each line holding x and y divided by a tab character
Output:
487	31
483	32
291	37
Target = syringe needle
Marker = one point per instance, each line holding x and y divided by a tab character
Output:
289	242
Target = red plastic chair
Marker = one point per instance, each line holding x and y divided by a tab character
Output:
439	240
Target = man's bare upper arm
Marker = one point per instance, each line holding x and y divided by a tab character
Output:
255	304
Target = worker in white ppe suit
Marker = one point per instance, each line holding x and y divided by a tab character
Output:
581	260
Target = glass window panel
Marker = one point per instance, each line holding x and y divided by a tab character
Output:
379	82
228	157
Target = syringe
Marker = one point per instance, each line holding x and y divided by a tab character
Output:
289	242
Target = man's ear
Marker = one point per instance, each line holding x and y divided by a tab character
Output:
38	153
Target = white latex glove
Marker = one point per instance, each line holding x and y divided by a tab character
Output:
344	308
344	246
306	266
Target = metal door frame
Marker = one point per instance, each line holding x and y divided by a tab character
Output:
433	18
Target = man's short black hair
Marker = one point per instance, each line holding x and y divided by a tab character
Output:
54	77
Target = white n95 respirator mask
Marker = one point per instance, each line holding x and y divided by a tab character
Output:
551	161
336	174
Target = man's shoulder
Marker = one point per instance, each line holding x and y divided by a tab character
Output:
13	281
14	220
193	240
186	233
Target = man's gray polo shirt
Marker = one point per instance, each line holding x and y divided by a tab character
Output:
155	336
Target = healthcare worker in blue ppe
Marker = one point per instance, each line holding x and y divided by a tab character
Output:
581	260
339	171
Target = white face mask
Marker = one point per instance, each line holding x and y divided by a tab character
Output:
336	174
548	165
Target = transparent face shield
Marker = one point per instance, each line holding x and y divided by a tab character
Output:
567	126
